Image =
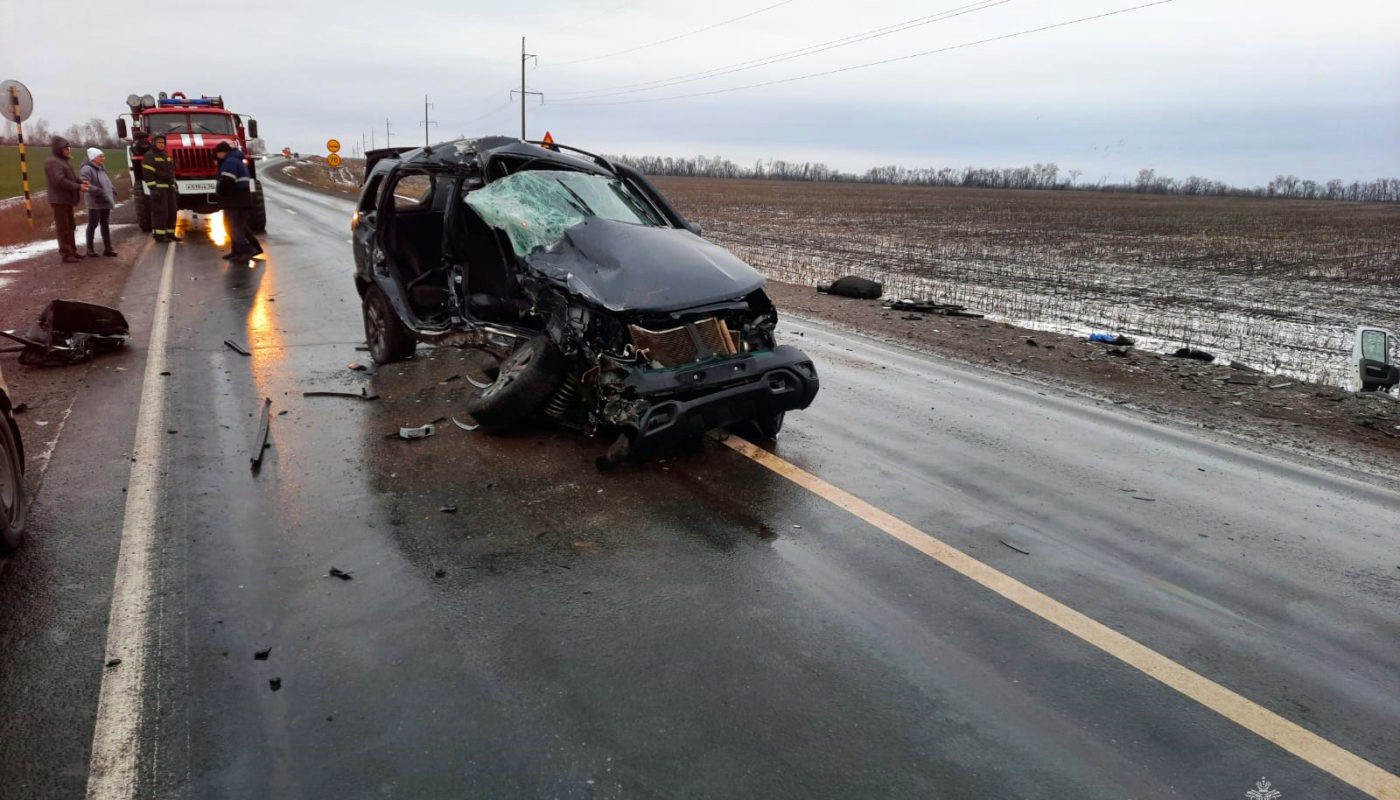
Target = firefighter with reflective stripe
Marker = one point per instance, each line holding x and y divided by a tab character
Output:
234	190
158	173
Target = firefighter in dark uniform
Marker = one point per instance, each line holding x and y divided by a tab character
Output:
234	191
158	173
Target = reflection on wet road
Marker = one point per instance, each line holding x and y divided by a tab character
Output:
515	623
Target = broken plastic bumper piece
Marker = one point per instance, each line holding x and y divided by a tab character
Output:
687	402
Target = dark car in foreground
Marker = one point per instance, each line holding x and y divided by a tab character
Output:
604	306
12	501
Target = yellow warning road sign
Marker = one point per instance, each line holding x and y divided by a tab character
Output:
333	160
333	145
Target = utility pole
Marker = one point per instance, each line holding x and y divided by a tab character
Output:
362	142
386	132
372	145
523	57
426	122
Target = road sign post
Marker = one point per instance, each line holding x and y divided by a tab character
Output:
18	104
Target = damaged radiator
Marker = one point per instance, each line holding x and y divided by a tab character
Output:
684	344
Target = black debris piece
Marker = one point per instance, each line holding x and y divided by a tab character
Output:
113	662
451	378
260	440
336	572
1194	354
967	314
1020	550
69	331
356	366
20	408
1144	499
261	655
914	317
448	509
1118	351
1031	342
853	286
442	573
363	394
166	373
236	347
274	684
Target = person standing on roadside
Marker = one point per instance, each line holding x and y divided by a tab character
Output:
100	197
235	197
158	173
64	189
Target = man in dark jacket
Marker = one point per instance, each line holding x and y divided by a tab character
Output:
64	191
158	173
235	197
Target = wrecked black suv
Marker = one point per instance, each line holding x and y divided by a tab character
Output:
602	303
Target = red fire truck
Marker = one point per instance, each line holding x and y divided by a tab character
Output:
192	128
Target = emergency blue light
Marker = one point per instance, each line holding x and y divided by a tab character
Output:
203	101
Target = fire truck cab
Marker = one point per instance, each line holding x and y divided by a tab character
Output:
192	129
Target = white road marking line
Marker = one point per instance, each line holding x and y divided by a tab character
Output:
116	746
1301	742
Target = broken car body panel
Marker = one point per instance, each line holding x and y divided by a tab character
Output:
488	243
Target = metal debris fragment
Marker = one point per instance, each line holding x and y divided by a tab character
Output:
421	432
260	440
363	394
356	366
1020	550
337	572
236	347
463	425
261	655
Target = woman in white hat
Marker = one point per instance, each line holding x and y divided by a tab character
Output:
100	198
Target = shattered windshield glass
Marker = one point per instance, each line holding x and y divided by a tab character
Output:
535	207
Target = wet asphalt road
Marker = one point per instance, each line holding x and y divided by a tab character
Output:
698	627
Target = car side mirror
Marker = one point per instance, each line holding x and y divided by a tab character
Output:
253	128
121	128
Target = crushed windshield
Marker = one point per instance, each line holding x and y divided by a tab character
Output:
535	207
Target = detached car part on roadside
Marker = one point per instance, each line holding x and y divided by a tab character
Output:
604	305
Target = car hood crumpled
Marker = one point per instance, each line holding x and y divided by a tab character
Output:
637	268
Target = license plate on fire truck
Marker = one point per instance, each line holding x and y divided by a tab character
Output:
195	187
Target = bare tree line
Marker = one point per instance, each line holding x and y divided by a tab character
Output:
1037	176
93	133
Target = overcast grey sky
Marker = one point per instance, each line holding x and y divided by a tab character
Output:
1238	90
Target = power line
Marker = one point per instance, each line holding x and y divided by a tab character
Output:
673	38
742	66
881	62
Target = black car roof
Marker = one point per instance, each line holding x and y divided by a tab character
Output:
486	151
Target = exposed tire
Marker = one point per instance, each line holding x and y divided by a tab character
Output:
13	504
527	379
764	429
143	211
258	212
389	340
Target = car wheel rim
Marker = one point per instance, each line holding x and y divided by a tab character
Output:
376	327
512	369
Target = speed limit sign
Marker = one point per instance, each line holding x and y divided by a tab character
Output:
333	160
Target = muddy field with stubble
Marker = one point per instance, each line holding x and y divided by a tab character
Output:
1277	284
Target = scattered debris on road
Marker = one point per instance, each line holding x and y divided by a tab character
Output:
261	655
274	684
70	331
260	440
1194	354
1114	339
463	425
236	347
363	394
113	662
336	572
356	366
1020	550
421	432
448	509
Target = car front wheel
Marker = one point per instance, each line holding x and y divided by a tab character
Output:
12	501
526	379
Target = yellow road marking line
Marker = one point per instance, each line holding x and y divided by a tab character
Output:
1310	747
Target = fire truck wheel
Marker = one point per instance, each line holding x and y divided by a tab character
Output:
143	212
259	211
389	340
